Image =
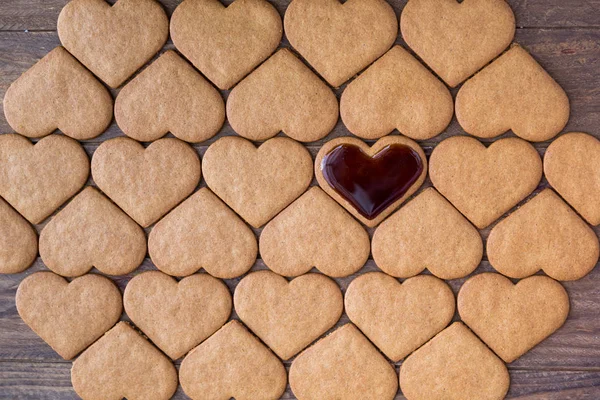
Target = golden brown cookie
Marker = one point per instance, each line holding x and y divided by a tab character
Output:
58	93
69	316
457	39
282	94
399	318
371	182
169	96
513	93
288	316
343	365
92	232
396	92
572	167
509	318
146	182
314	231
232	363
257	183
339	40
484	182
113	41
122	364
38	178
427	233
18	241
226	42
177	316
202	232
454	365
544	234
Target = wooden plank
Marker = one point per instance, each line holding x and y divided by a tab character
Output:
52	381
42	14
572	57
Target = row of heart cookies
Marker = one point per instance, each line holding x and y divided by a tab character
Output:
283	94
288	316
303	229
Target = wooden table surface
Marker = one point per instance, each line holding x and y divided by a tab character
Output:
564	36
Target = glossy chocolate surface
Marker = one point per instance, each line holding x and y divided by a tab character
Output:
371	184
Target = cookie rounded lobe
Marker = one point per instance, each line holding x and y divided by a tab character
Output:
18	241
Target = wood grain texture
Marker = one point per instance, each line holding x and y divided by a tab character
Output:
564	36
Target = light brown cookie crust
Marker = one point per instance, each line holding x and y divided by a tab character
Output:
18	241
509	318
113	41
427	233
314	231
169	96
484	182
92	232
284	95
146	182
544	234
122	364
371	151
257	183
326	34
38	178
454	365
72	100
69	316
396	92
343	365
513	93
572	167
226	43
202	232
288	316
177	316
232	363
457	39
399	318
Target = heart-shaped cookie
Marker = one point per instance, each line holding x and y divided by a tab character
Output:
202	232
232	364
146	182
169	96
371	182
513	93
38	178
572	167
177	316
339	40
18	241
457	39
396	92
427	233
484	183
69	316
288	316
226	42
72	101
122	364
282	94
343	365
454	365
544	234
92	232
509	318
113	41
257	183
399	318
314	231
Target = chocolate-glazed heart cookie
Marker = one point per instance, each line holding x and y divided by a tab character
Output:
371	182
